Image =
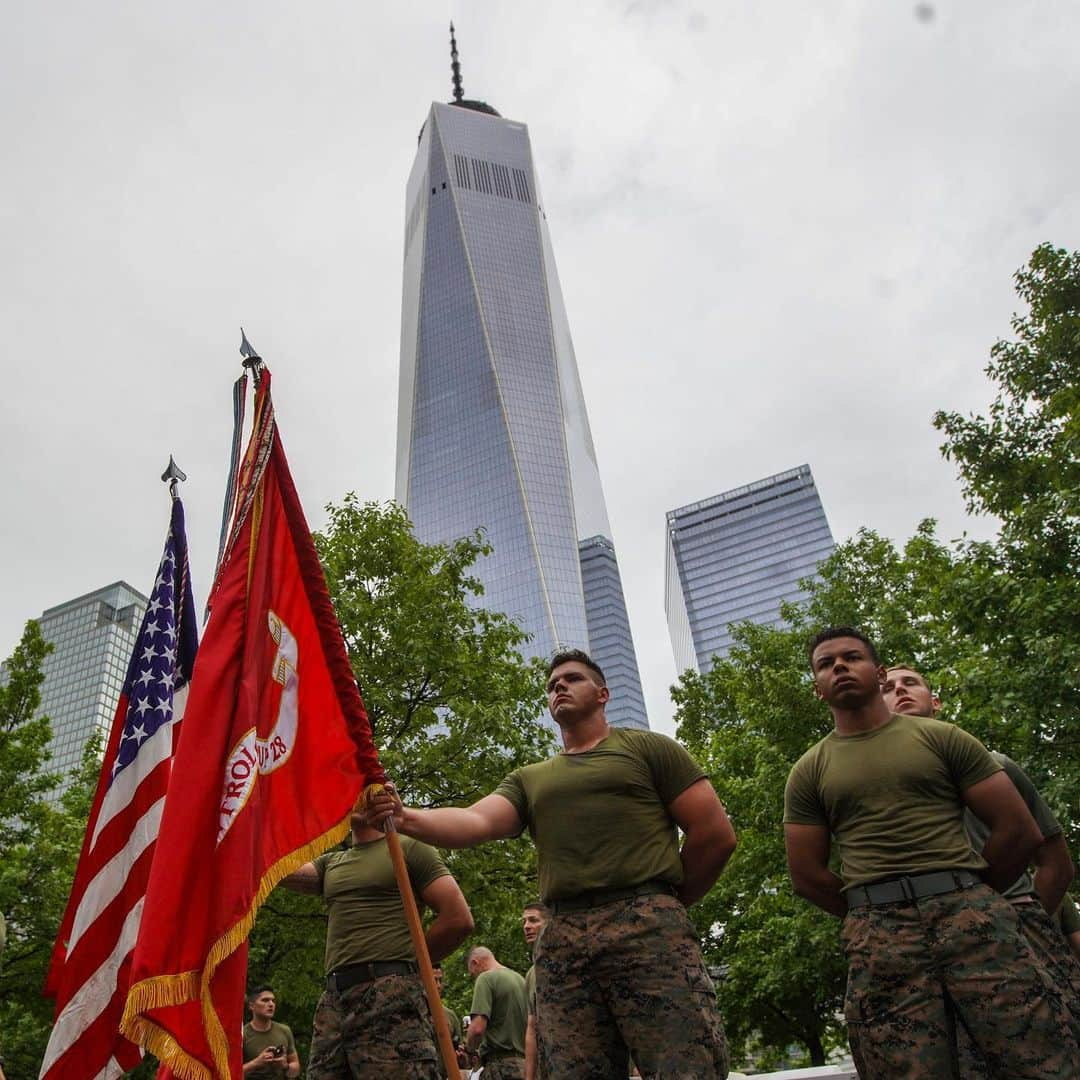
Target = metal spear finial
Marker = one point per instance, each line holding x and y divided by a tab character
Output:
247	351
455	67
172	476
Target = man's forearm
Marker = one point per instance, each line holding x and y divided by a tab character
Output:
1008	850
1054	872
704	854
824	890
446	827
444	935
530	1049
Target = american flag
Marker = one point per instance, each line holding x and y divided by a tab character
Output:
92	956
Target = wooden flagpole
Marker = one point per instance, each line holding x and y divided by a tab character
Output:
416	932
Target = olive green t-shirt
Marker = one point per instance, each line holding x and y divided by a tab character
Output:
979	833
530	989
255	1042
891	797
366	916
499	995
599	819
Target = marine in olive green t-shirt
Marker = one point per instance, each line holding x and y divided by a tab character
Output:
255	1042
891	797
599	818
979	833
366	916
499	995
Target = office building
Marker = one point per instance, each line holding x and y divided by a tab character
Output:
738	556
93	637
492	426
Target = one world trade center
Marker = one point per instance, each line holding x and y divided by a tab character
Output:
492	427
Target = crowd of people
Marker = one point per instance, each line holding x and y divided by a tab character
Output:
952	878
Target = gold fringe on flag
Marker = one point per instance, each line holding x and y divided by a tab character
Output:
161	991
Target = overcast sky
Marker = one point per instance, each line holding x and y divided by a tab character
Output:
785	233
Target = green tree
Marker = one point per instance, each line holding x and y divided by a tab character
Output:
1020	594
453	706
40	841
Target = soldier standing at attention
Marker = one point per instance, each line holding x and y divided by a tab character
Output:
372	1021
1037	896
926	935
534	918
618	966
499	1012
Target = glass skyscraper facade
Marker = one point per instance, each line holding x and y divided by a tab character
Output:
492	427
93	637
737	557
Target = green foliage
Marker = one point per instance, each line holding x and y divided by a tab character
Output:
1020	595
453	707
40	842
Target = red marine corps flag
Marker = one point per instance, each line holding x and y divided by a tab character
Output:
275	749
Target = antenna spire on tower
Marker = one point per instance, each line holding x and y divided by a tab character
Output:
455	67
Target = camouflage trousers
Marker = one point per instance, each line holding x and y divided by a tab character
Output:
380	1029
1052	951
917	970
507	1068
627	978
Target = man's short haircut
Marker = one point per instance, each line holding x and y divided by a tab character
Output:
577	656
536	905
832	632
914	671
255	991
478	951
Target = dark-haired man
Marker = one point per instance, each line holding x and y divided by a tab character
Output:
1037	897
618	966
927	938
269	1051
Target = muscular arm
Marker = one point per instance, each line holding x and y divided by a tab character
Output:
808	864
477	1027
304	879
709	842
293	1069
492	818
453	921
1054	871
531	1052
1014	836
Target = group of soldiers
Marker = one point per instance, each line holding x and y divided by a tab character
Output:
956	965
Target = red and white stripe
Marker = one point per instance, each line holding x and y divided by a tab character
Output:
103	924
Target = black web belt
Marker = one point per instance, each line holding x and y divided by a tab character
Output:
609	896
916	887
354	974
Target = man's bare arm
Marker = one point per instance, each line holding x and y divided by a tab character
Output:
1054	871
304	879
709	841
1014	835
453	921
531	1050
808	864
477	1027
492	818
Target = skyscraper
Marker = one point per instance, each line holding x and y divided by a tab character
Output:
92	637
492	427
738	556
